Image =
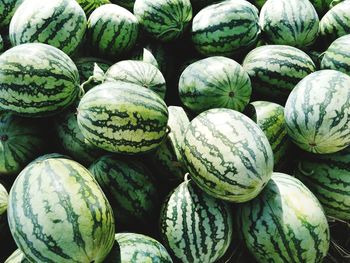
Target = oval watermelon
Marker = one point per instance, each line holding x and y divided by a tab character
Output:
285	223
196	227
123	117
58	213
37	80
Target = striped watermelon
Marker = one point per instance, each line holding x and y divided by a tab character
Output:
112	30
275	70
138	72
37	80
225	28
294	23
317	112
21	140
337	56
285	223
164	20
214	82
17	257
59	23
58	213
123	117
86	68
90	5
3	200
336	22
328	178
130	189
167	158
2	44
195	226
270	118
72	141
7	9
137	248
227	155
323	6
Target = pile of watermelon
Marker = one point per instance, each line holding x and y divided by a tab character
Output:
204	131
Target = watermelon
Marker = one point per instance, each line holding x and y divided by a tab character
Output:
270	118
275	70
37	80
112	30
285	223
72	141
335	23
214	82
58	213
7	9
195	226
123	117
136	248
227	155
164	20
167	158
3	200
328	178
317	112
225	28
90	5
21	140
323	6
138	72
130	189
293	23
17	257
87	69
337	56
59	23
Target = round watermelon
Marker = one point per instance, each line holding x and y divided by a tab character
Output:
227	155
214	82
317	112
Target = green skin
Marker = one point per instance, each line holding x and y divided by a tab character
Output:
215	82
285	223
196	227
138	72
59	23
52	75
136	248
337	56
3	200
327	176
21	140
17	257
58	213
164	20
130	188
7	9
90	5
111	34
